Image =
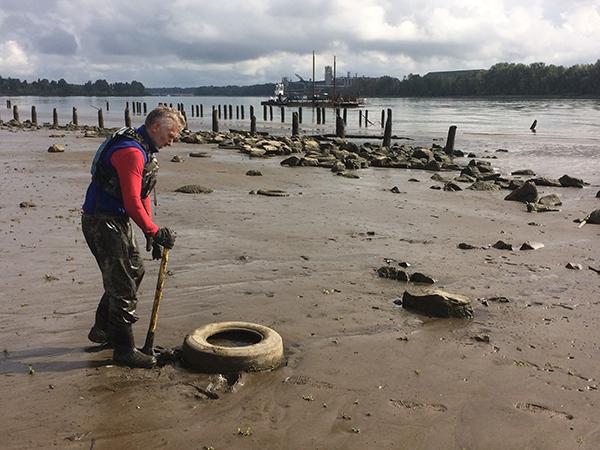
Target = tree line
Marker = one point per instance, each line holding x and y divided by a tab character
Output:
60	88
511	79
537	79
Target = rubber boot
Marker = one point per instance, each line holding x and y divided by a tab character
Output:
99	332
125	352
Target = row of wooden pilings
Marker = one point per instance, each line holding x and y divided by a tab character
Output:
198	111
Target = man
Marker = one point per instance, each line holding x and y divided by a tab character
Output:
123	175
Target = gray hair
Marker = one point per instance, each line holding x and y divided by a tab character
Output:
164	114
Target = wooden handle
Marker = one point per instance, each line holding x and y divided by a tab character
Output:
149	344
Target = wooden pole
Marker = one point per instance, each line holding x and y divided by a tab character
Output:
253	124
33	115
264	113
282	114
382	118
345	116
215	120
230	112
219	110
225	112
450	140
323	115
16	114
75	117
359	118
127	118
271	113
340	130
295	126
366	118
54	118
201	110
100	119
387	134
145	108
242	111
300	114
318	116
237	112
251	112
8	105
107	106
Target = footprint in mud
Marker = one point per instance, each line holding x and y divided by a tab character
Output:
416	405
540	409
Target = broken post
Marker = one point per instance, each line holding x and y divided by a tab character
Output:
201	110
251	112
282	114
237	112
449	148
366	118
359	118
145	108
271	113
107	106
225	112
382	118
127	118
533	125
33	115
323	115
100	119
8	105
345	116
339	127
75	118
300	114
16	114
54	118
242	111
219	111
264	113
215	120
252	124
387	133
230	112
295	124
318	116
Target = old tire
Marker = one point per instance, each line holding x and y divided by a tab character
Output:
199	354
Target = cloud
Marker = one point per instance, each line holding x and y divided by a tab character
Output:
190	42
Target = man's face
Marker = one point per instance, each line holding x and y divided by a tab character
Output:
164	134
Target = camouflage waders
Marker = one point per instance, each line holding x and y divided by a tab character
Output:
113	244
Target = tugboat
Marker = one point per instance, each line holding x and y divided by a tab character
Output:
320	100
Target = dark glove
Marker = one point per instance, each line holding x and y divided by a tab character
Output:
165	237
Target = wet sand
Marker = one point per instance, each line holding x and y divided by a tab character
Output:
360	372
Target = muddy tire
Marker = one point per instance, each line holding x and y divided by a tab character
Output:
264	351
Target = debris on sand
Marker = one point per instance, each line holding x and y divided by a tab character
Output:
438	303
194	189
199	155
176	159
270	192
254	173
27	204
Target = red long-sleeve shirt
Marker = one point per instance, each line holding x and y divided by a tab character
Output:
129	164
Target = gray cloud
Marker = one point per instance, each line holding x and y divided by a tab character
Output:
190	42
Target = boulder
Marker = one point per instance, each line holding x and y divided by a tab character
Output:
392	273
527	172
176	159
543	181
550	200
594	217
574	266
438	177
568	181
56	148
531	245
421	278
254	173
484	186
438	303
526	193
292	161
501	245
538	207
194	189
452	187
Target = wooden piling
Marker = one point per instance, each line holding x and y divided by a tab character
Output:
16	114
323	115
318	116
8	105
340	130
295	126
237	112
100	119
449	148
382	118
282	114
366	118
75	117
300	114
271	113
337	112
215	120
230	112
33	115
251	112
107	106
201	110
145	108
345	116
54	118
264	113
253	124
225	112
387	133
219	111
359	118
127	118
242	111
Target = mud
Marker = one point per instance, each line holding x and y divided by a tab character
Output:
360	372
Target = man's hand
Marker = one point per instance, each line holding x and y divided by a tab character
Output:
164	237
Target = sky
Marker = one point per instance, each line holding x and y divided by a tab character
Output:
191	43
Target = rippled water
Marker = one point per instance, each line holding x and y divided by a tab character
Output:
567	137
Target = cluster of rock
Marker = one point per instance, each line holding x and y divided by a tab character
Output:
401	275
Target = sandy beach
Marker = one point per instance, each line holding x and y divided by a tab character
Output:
360	371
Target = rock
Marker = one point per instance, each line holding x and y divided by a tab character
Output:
176	159
550	200
392	273
538	207
56	148
255	152
574	266
527	172
452	187
598	194
435	187
27	205
438	177
526	193
484	186
194	189
515	184
395	190
594	217
438	303
254	173
347	174
531	245
568	181
465	246
199	155
292	161
89	134
422	153
272	193
465	179
433	165
310	162
501	150
542	181
501	245
414	180
338	167
421	278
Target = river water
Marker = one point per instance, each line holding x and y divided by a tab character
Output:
567	137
